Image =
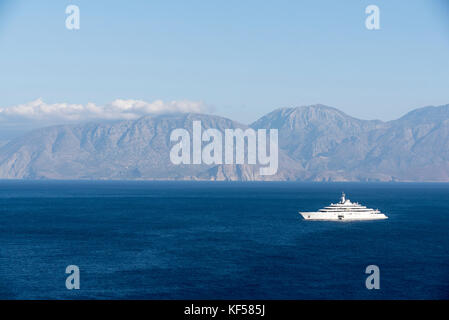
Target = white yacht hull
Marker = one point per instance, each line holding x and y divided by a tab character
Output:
339	216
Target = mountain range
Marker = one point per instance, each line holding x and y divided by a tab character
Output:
316	143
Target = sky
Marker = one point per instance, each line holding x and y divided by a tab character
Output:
238	59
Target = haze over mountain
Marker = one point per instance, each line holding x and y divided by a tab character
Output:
331	145
317	143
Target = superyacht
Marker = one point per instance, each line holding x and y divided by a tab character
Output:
343	211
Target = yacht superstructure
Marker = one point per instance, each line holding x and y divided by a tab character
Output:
343	211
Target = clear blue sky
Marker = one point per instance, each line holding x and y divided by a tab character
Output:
243	58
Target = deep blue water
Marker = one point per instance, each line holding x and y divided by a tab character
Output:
212	240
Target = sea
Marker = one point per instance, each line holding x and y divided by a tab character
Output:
220	240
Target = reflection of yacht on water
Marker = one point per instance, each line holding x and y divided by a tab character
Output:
344	210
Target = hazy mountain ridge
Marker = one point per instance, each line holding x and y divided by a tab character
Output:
334	146
317	143
137	149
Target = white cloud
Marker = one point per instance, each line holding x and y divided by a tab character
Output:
119	109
